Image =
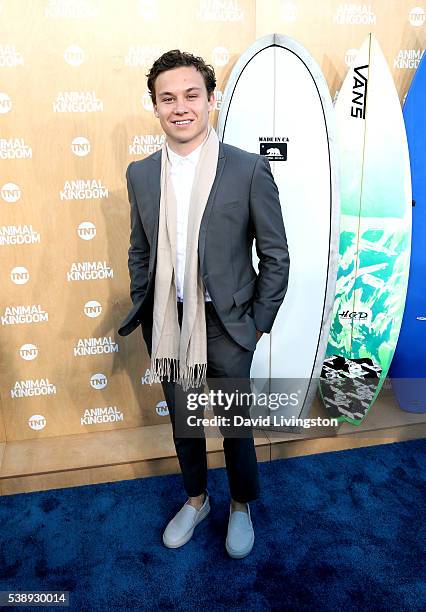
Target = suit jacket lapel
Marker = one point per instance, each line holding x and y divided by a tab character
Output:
154	187
209	205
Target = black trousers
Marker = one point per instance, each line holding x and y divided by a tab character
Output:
225	360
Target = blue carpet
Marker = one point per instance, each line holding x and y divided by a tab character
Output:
334	531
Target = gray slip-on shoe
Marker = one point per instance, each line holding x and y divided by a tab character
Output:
240	537
180	529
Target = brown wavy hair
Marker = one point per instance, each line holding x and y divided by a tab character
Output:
176	59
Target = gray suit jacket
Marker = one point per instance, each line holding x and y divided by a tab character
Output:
243	205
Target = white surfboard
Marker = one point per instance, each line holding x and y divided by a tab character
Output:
277	103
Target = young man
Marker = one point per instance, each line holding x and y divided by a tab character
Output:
196	207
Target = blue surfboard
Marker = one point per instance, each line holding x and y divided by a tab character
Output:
408	370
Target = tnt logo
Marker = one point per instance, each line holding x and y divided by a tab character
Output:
74	55
28	352
148	9
98	381
37	422
417	17
218	95
289	12
162	409
86	230
147	102
220	56
350	57
20	275
5	103
80	146
92	309
10	193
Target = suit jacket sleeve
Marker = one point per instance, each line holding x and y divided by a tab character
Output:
139	250
271	246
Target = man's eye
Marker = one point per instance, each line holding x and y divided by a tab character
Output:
192	96
167	99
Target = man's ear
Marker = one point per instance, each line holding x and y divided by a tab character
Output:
155	110
212	100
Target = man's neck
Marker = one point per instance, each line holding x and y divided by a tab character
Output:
185	148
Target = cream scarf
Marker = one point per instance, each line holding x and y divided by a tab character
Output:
180	354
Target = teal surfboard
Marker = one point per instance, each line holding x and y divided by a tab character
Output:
375	234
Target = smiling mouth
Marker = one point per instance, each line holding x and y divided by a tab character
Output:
182	122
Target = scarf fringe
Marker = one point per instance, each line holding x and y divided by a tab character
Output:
187	377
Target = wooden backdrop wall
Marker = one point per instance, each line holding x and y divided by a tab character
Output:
74	112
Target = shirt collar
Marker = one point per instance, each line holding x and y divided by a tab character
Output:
193	157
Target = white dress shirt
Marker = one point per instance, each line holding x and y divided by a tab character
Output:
182	170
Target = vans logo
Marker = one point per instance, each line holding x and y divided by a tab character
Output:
359	92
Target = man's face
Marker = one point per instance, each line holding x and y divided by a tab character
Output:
182	105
